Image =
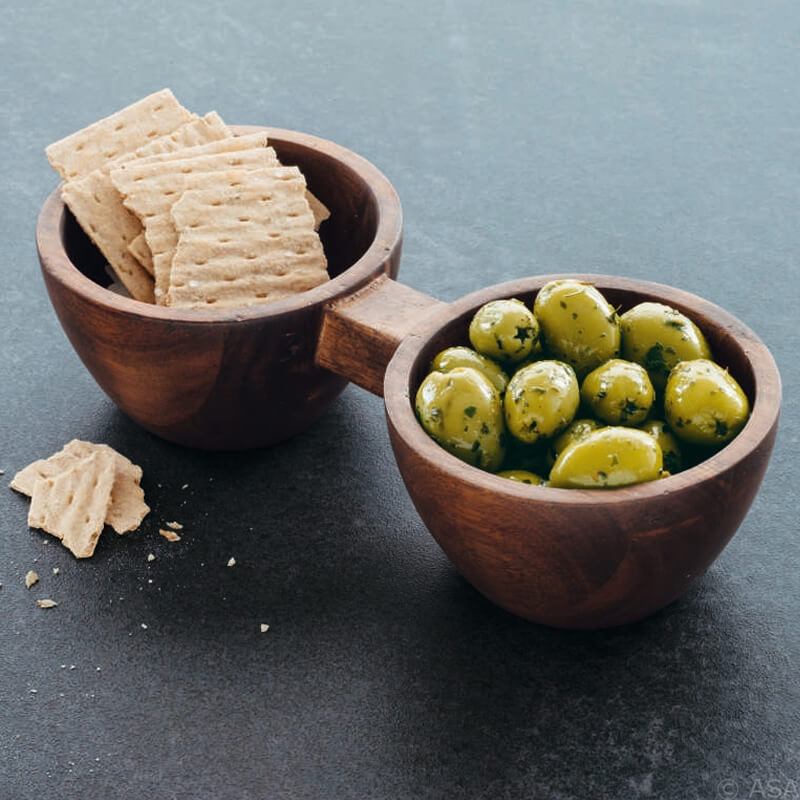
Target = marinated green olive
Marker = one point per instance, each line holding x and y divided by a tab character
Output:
577	429
541	400
504	329
619	392
658	336
578	324
463	412
608	458
703	403
670	448
454	357
522	476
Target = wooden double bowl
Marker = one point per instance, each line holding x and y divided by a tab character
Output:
254	376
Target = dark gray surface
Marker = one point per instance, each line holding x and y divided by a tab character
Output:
650	139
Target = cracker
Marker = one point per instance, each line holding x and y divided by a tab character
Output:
223	145
98	208
116	231
320	211
72	505
198	131
253	242
89	148
139	249
127	508
150	188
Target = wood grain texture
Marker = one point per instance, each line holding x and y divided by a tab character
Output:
228	379
360	333
584	559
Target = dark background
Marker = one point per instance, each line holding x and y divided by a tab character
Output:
645	138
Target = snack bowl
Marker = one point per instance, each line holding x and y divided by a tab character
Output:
225	379
566	557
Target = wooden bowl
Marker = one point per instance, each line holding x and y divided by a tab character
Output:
225	379
583	558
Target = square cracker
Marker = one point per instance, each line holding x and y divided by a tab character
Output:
150	189
198	131
127	508
252	242
72	505
89	148
98	207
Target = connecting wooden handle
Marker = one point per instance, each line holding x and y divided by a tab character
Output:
361	332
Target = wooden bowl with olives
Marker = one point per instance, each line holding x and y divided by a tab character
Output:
593	549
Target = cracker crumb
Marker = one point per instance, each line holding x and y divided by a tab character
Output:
185	486
144	626
176	526
56	570
46	603
30	578
264	627
170	536
231	562
151	557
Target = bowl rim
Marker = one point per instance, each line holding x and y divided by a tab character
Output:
762	422
58	266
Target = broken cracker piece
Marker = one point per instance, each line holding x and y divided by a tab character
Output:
127	509
169	535
72	505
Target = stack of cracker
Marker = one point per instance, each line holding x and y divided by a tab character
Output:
186	213
79	490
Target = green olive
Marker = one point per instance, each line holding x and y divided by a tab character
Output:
577	429
541	400
658	336
504	329
608	458
463	412
619	392
703	403
670	448
522	476
454	357
578	324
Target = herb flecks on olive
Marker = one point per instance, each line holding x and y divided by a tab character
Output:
505	330
658	336
463	412
608	458
453	357
523	476
541	400
703	403
619	392
578	324
667	441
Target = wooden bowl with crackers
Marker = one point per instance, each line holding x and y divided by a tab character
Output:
206	372
570	558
